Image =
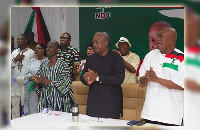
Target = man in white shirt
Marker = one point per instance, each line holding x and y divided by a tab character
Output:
19	60
162	71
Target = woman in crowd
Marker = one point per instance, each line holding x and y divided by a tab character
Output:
90	51
31	97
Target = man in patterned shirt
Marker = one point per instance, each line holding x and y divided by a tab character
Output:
53	82
68	53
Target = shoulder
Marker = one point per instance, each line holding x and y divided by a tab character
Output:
30	50
93	56
61	62
153	52
16	51
133	55
115	56
72	48
32	60
178	52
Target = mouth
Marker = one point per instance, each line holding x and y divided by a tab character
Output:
96	49
122	50
36	52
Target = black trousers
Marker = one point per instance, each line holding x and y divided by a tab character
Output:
159	123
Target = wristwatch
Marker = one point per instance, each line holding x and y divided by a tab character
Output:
97	79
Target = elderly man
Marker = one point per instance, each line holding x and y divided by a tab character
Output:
104	73
153	35
53	82
20	59
68	53
131	60
162	71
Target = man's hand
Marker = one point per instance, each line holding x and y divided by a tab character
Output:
117	52
41	80
151	75
90	76
19	57
76	64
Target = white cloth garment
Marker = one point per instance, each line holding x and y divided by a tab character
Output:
163	104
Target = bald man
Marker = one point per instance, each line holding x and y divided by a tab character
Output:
162	72
53	82
153	33
104	73
152	37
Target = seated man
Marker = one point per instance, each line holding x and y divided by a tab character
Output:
131	60
53	82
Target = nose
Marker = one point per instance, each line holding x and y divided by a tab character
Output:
94	44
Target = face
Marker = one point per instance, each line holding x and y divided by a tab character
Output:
39	51
64	40
51	49
123	48
99	44
21	41
163	41
153	35
90	51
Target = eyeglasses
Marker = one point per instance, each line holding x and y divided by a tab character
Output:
64	38
89	49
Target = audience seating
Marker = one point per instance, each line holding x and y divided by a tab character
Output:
133	99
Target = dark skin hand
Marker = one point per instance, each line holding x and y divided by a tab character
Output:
128	66
90	76
151	76
40	80
19	57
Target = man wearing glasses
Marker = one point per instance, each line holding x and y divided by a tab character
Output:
68	53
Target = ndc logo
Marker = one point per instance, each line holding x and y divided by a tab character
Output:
102	14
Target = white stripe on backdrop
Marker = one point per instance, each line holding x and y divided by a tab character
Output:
57	19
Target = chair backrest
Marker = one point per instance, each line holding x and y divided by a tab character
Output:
133	101
80	94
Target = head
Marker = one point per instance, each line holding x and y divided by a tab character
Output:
21	41
153	33
192	27
52	48
90	49
167	40
40	50
123	45
30	36
65	40
100	43
12	42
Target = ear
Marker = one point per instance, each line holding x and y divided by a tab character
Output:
106	42
57	50
172	39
